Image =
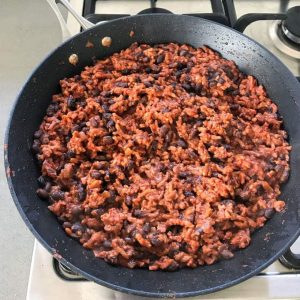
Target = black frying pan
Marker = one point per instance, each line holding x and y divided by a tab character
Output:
282	230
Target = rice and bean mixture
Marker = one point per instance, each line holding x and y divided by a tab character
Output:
162	157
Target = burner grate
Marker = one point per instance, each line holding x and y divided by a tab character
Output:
223	11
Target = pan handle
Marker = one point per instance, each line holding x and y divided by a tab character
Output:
85	24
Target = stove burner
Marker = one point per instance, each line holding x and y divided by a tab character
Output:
286	34
291	25
154	10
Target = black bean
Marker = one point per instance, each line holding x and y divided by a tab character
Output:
181	143
41	181
129	240
146	59
155	69
235	106
70	154
107	140
77	227
178	73
214	174
153	146
260	190
76	210
38	134
85	129
48	186
105	108
285	175
269	213
87	210
130	165
169	137
192	154
229	73
95	174
164	130
199	230
44	139
97	212
57	195
125	72
155	241
121	84
81	194
36	146
144	99
133	233
146	228
183	175
75	128
128	200
175	229
215	160
110	125
67	225
148	70
138	213
189	193
160	58
101	157
228	202
71	102
212	83
194	133
105	94
95	93
173	266
52	109
147	84
93	122
260	213
187	87
180	66
100	165
42	193
189	65
221	80
183	52
112	197
125	181
106	116
185	118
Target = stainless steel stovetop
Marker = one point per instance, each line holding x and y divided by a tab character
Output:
277	281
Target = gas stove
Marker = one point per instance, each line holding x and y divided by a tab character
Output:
275	25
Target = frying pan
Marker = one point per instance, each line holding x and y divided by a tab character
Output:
268	243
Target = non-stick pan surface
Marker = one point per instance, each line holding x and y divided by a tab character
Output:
267	244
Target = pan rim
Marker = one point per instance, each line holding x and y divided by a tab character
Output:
91	277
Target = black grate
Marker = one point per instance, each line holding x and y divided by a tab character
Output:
223	11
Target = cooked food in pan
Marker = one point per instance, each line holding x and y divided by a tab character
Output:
162	157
